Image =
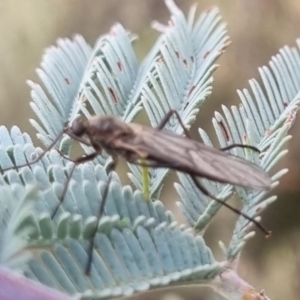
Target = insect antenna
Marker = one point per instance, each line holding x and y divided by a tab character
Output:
77	161
38	158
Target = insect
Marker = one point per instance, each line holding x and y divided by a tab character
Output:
158	148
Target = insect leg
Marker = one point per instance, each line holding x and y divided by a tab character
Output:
166	119
207	193
38	158
240	146
112	167
197	183
77	162
235	210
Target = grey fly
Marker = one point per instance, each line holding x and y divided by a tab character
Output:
158	148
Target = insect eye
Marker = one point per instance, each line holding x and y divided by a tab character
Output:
78	126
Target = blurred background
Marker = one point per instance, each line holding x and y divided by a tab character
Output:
258	28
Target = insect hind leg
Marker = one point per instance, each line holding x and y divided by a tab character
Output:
172	112
235	210
163	123
166	119
232	146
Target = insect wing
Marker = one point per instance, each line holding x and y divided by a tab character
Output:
189	156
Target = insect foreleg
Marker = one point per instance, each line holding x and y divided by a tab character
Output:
237	211
78	161
112	167
82	140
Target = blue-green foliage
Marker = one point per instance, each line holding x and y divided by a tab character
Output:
139	245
